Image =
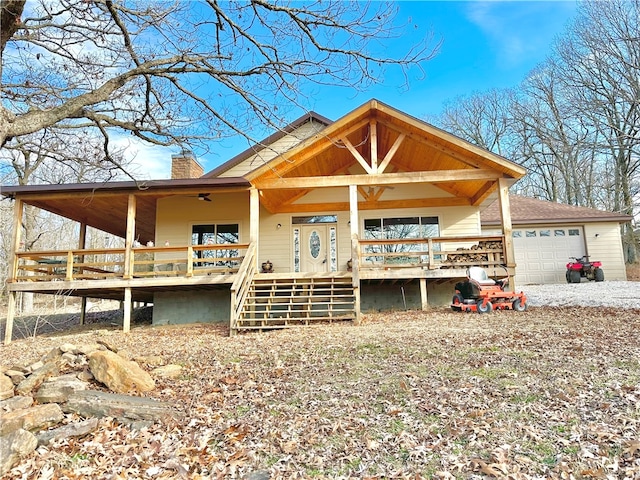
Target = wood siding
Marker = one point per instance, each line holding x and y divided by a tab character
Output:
282	145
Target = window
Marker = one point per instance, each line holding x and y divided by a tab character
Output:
559	233
216	234
516	234
397	229
314	219
530	233
545	233
574	232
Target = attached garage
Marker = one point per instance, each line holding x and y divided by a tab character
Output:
542	253
546	235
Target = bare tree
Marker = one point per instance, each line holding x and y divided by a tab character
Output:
600	61
183	72
482	118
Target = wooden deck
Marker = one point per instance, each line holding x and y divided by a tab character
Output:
106	273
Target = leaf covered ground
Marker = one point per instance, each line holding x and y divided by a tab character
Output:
548	393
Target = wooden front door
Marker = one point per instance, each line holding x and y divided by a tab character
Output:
314	248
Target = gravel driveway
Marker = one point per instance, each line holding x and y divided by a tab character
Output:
606	294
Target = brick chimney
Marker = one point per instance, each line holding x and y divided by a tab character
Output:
185	165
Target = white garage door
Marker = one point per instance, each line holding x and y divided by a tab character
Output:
542	253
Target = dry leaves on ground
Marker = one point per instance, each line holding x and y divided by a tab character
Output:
548	393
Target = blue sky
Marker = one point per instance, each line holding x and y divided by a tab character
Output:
485	45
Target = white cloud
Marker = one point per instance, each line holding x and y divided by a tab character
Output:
518	30
148	162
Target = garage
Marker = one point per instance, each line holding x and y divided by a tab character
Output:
546	234
542	253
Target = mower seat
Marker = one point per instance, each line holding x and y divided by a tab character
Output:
479	275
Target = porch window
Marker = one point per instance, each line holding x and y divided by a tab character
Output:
216	234
398	228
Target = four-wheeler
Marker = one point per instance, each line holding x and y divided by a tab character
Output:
582	267
479	293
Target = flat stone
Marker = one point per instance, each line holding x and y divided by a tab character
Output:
68	348
7	388
16	376
58	389
126	408
76	429
14	446
32	418
36	378
15	403
89	348
168	371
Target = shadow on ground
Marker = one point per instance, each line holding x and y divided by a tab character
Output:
66	323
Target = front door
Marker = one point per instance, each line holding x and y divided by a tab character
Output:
314	248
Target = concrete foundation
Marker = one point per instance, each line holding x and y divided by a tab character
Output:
210	306
401	296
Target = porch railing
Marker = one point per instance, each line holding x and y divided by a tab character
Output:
87	264
432	252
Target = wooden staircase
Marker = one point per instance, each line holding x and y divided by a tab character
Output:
275	301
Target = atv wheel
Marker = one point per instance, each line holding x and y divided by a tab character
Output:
518	306
486	308
599	275
456	303
573	276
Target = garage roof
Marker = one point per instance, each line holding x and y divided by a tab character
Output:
532	211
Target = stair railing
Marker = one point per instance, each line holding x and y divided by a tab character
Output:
241	286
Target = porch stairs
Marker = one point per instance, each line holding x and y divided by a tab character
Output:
274	301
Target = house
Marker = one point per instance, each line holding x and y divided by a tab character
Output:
546	235
319	222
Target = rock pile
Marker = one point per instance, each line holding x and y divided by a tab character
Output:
64	394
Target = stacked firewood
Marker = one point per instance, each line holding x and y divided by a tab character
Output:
477	254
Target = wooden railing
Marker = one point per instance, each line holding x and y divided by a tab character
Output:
241	286
432	252
85	264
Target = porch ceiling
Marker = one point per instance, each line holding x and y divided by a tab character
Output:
105	206
398	144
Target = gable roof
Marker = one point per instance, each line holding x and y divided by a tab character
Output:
376	144
531	211
311	117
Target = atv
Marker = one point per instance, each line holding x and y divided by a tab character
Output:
479	293
582	267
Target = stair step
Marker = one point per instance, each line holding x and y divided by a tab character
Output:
283	303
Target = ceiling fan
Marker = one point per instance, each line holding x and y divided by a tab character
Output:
201	196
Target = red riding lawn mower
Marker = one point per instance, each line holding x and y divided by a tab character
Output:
479	293
582	267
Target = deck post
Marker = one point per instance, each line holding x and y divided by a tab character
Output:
126	317
131	229
82	243
505	217
355	250
18	212
423	294
254	218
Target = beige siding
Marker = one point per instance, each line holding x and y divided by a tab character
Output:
275	242
276	148
607	248
175	215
